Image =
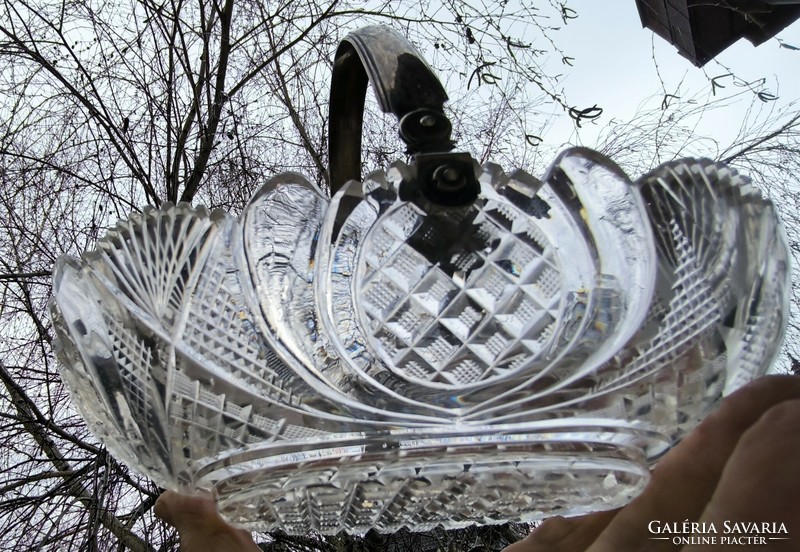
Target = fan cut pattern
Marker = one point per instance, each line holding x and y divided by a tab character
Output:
368	362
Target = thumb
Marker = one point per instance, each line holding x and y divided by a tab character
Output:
200	526
182	511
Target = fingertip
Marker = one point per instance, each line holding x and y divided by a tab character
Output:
180	510
162	507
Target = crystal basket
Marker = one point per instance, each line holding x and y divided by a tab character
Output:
437	344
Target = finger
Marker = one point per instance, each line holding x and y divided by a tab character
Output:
684	481
559	534
760	485
200	526
162	510
181	510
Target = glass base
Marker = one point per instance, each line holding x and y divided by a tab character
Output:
424	480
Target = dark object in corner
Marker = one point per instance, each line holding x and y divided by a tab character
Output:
701	29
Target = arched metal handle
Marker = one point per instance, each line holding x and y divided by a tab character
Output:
404	84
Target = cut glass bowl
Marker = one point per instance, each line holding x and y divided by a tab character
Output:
371	361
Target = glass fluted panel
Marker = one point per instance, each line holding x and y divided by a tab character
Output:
371	362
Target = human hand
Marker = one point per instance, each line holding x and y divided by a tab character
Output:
200	527
739	465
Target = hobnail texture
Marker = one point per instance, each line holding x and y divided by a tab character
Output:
370	362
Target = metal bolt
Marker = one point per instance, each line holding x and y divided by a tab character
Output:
448	179
427	121
451	175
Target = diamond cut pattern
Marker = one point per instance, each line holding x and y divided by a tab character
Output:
506	282
384	367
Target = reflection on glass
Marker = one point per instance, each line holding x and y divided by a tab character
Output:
365	361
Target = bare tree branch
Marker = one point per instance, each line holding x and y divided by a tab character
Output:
30	414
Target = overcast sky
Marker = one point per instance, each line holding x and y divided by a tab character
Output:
614	66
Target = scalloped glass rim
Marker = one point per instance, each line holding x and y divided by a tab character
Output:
181	362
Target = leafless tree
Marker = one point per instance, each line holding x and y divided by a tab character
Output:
110	106
107	106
